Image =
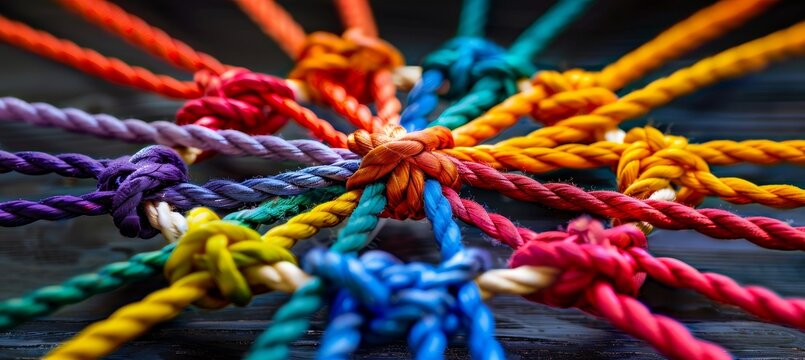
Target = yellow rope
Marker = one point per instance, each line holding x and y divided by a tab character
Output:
215	263
557	96
734	62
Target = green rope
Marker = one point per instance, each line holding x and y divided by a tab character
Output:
48	299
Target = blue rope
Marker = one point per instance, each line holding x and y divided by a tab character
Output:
422	101
386	298
483	75
292	320
440	214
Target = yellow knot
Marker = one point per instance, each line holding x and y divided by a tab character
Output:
653	160
227	252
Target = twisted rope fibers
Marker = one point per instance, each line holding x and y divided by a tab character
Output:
224	270
223	194
46	300
478	70
556	96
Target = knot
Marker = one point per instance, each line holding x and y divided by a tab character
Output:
229	253
237	99
573	92
589	254
136	179
393	298
465	60
350	59
405	158
653	160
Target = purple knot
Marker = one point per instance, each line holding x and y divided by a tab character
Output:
135	179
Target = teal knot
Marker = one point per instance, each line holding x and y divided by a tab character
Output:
465	60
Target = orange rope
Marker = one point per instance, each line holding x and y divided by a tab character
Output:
357	14
706	24
276	23
136	31
345	72
93	63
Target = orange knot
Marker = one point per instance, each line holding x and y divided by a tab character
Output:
406	159
350	59
573	92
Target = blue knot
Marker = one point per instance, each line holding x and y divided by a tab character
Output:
134	179
384	298
464	60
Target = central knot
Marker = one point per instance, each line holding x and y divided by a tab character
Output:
465	60
237	99
393	298
653	160
588	255
351	60
134	180
570	93
405	158
227	252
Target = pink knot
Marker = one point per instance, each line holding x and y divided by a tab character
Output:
237	99
588	254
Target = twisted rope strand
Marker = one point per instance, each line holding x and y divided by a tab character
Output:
607	153
275	22
357	14
753	299
473	17
48	299
716	223
497	82
112	18
704	25
738	61
749	57
93	63
39	163
132	320
218	194
292	320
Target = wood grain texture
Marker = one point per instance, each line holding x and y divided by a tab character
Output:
769	105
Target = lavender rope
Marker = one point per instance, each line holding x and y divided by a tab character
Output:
155	173
229	142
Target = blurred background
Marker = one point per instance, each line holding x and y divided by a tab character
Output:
769	104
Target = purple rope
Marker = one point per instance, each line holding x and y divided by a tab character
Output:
229	142
39	163
157	173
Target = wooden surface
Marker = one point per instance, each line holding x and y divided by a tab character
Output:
769	104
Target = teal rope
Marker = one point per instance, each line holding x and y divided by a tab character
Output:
500	77
292	320
266	213
534	39
48	299
472	20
